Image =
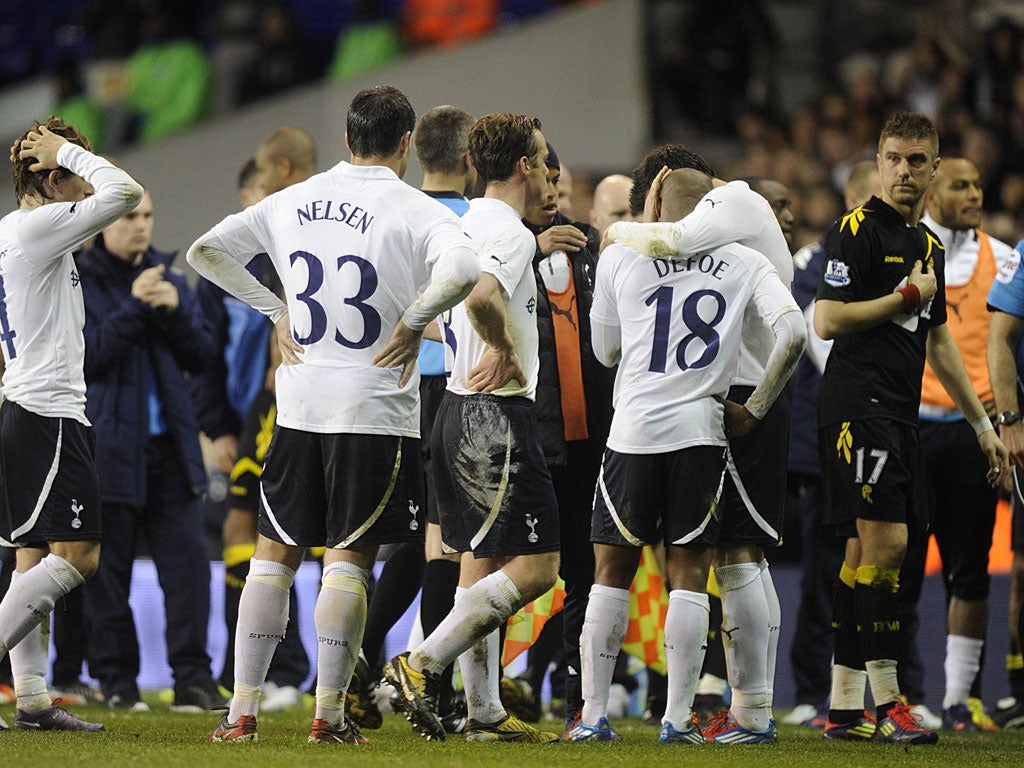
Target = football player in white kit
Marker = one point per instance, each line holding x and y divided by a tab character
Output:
354	246
755	486
49	492
494	490
674	327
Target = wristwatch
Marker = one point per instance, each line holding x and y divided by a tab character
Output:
1007	418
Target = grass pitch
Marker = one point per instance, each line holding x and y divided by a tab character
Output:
160	739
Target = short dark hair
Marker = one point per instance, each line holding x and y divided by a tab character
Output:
28	182
441	136
247	174
909	125
498	141
675	156
377	120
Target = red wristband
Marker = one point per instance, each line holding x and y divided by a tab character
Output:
911	298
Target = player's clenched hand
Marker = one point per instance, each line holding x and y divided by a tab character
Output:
42	144
738	420
402	349
564	237
925	282
495	370
290	348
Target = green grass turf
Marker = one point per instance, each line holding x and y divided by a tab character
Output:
161	738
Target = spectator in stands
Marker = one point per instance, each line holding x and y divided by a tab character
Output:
447	22
370	41
169	81
283	59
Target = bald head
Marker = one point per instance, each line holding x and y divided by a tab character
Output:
287	156
681	190
864	182
611	202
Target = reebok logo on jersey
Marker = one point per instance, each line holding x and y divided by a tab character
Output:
75	279
73	207
76	510
837	273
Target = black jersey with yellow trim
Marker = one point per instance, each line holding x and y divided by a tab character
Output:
876	373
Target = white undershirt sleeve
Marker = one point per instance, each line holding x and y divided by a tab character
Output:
776	305
221	269
727	214
51	230
452	278
606	341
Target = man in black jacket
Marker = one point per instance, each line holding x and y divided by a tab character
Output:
143	333
573	407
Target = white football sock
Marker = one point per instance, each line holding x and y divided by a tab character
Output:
686	641
604	629
483	607
963	660
38	588
29	662
481	675
340	618
481	679
884	685
848	687
262	622
745	619
774	625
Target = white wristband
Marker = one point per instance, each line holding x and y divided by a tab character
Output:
983	424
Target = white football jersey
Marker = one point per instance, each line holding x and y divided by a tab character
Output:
732	213
681	325
506	250
41	309
354	246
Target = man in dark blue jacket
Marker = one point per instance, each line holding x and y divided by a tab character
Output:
143	333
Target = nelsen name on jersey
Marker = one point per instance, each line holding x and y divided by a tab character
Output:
354	246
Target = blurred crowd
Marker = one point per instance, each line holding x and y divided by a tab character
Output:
723	69
130	71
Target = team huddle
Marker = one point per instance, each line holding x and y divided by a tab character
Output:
690	310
